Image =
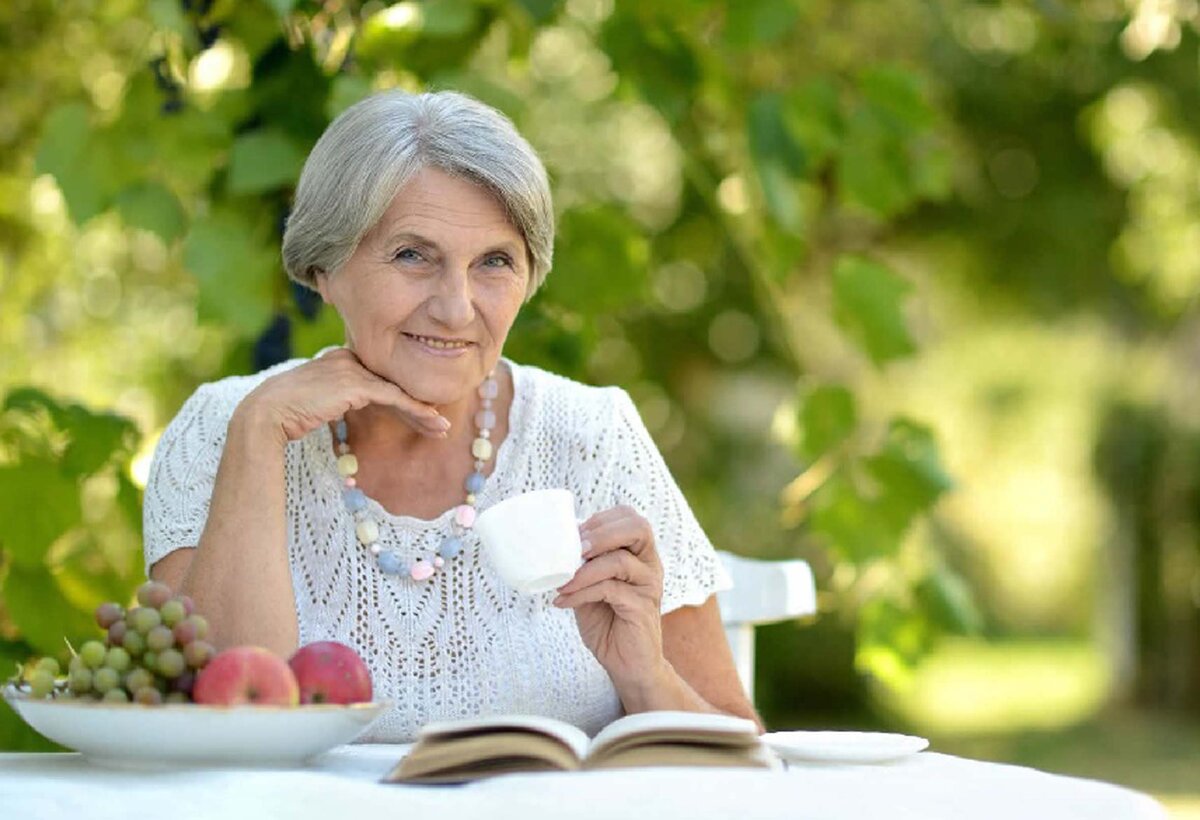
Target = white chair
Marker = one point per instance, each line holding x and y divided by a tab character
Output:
764	592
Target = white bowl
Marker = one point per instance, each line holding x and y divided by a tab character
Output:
130	735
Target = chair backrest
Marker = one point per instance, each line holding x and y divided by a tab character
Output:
763	592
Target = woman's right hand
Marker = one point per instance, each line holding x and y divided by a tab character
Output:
298	401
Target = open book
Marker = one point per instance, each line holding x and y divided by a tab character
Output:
459	751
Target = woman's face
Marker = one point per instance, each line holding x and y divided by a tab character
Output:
430	293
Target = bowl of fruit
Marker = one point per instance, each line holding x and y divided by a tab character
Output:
153	692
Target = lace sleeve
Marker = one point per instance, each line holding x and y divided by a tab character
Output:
691	569
182	475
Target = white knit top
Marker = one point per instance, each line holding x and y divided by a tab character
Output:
460	644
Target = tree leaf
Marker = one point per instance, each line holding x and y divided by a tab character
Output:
827	418
85	167
40	611
758	23
234	268
542	11
909	473
653	55
151	206
867	305
282	8
778	160
37	505
602	262
946	597
871	166
95	439
897	94
850	523
264	160
811	115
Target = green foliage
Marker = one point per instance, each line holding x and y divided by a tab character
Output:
779	149
55	566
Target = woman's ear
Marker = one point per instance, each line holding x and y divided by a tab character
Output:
321	280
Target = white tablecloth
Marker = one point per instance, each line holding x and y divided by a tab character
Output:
343	784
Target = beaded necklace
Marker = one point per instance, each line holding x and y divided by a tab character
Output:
367	528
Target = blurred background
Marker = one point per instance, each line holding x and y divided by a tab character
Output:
906	289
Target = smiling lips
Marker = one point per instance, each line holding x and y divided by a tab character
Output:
440	344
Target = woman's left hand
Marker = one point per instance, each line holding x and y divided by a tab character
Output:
617	594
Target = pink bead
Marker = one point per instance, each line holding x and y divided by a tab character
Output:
485	419
439	561
465	515
350	482
421	570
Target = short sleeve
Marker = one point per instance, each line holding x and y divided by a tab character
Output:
692	571
182	475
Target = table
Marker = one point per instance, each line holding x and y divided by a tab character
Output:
342	784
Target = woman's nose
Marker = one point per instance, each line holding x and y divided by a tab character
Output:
453	305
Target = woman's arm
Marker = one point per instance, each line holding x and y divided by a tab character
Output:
699	674
239	577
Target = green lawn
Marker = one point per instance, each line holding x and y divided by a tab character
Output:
1042	704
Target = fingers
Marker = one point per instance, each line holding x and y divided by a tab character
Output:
623	598
619	565
618	528
370	388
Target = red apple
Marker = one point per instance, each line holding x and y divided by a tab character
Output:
330	672
246	674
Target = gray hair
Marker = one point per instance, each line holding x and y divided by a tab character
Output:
376	146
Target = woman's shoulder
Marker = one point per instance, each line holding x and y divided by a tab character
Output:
547	388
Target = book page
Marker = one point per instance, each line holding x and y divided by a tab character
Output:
674	724
572	737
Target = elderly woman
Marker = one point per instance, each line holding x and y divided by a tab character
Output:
332	498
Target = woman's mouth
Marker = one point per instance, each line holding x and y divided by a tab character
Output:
440	346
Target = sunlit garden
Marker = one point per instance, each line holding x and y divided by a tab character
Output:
907	290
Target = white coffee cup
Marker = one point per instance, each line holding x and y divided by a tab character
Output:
532	540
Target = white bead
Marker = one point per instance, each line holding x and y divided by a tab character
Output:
376	549
367	531
471	499
347	465
481	448
485	434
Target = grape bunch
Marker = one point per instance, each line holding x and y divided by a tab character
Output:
150	653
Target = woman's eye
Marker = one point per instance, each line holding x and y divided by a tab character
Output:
408	255
498	260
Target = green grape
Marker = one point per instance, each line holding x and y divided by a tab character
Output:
116	695
153	594
198	653
104	679
150	660
138	678
117	659
171	663
93	653
143	619
177	697
173	611
49	665
148	696
108	614
81	681
160	638
76	665
41	683
134	643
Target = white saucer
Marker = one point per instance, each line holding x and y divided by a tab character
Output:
843	747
